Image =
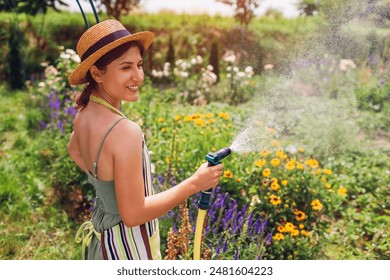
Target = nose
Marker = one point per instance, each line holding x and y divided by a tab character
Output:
138	75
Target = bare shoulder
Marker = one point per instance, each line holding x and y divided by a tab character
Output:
126	135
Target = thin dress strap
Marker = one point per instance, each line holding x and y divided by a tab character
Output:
101	145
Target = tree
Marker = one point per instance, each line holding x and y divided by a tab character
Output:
117	8
31	7
214	58
308	7
171	52
15	65
244	10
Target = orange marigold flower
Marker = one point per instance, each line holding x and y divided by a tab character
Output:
299	215
228	174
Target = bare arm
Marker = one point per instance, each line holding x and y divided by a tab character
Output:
134	207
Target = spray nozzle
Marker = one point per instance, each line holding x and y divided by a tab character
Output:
216	157
213	159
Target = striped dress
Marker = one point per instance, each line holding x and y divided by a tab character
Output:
105	236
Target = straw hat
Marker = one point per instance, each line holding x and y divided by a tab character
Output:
100	39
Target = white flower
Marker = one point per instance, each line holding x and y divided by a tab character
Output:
65	56
292	149
199	59
193	61
229	57
229	68
249	70
41	85
76	58
178	62
268	67
70	51
235	69
345	64
241	74
184	74
210	67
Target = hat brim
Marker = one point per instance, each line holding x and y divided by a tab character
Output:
78	75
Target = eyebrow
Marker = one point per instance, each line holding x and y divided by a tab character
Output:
129	62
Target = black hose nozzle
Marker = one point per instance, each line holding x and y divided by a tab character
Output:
213	159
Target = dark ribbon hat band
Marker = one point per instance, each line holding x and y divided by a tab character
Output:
104	41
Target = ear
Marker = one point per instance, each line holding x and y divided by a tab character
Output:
96	73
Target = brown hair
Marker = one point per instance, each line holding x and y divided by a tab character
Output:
83	98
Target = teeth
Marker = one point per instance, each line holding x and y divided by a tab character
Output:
134	88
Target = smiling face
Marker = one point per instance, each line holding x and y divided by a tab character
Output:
122	77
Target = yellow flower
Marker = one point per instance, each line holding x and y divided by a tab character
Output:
312	163
168	159
199	122
266	172
300	166
300	149
160	120
316	205
342	191
188	118
323	179
275	162
221	115
281	228
264	153
163	129
238	180
260	162
280	154
275	186
299	215
226	116
290	165
211	121
210	115
328	186
305	233
275	200
327	171
294	232
288	227
284	182
301	226
228	174
278	236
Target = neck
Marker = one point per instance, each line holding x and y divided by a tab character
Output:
102	94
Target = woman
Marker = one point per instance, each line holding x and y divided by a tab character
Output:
111	150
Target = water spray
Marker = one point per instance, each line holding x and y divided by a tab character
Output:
204	201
